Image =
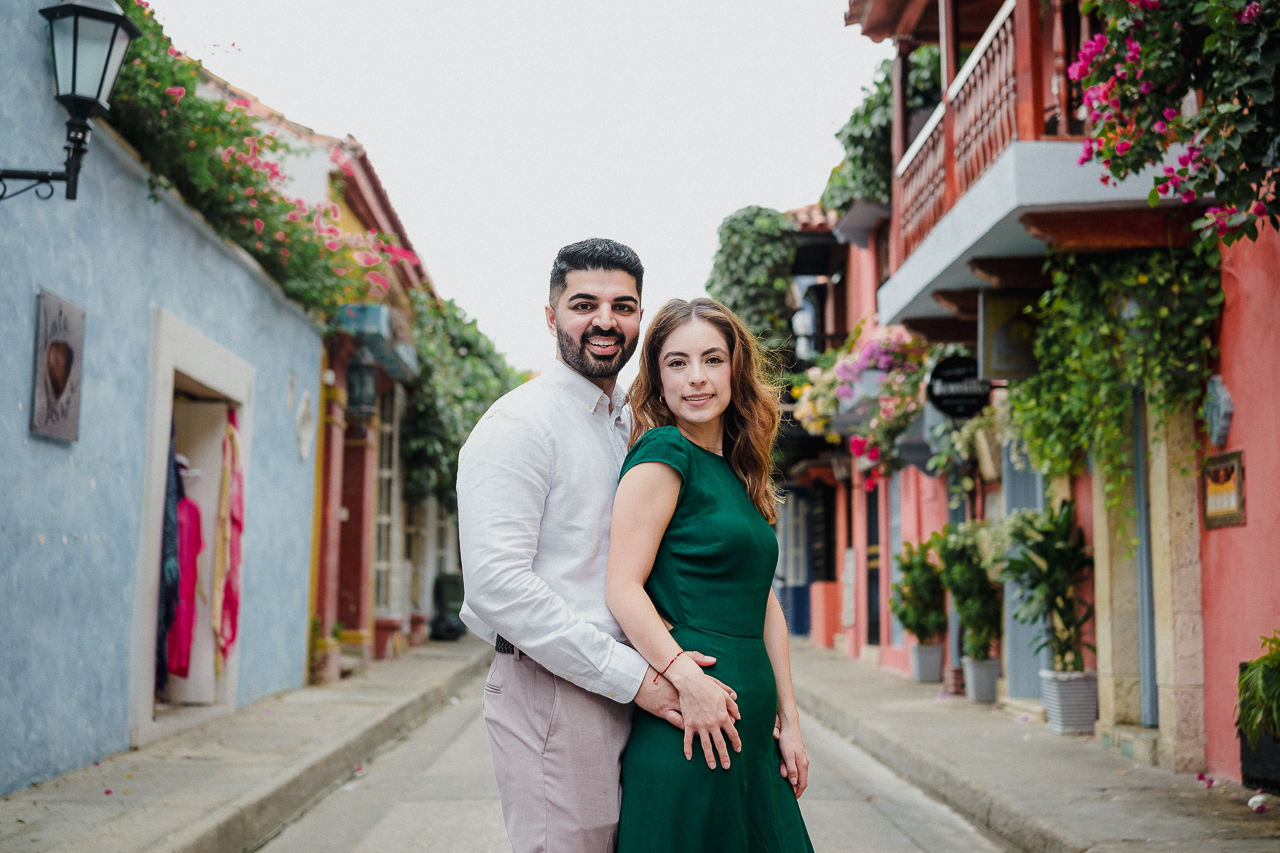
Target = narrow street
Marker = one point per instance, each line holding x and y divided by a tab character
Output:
434	791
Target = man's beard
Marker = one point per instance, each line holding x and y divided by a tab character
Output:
584	361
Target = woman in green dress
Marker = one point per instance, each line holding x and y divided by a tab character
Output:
691	562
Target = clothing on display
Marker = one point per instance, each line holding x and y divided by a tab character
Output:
190	544
170	571
226	544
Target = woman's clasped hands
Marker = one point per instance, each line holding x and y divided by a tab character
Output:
709	708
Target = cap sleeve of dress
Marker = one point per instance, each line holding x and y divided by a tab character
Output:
663	444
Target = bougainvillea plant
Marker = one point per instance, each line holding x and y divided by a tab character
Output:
896	364
227	165
1194	74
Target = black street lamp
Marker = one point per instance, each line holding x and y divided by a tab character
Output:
89	39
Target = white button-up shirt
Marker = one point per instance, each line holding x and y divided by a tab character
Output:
536	480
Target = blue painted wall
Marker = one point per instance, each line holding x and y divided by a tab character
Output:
70	514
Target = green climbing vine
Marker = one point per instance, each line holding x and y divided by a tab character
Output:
1111	323
751	273
461	374
865	174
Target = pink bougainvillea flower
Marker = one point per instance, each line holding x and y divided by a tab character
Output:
191	144
1248	14
284	253
1170	113
857	445
294	216
279	235
164	112
258	244
378	280
1123	146
339	271
253	202
367	259
1188	196
137	62
332	245
1145	87
257	226
870	484
399	254
173	51
335	212
873	453
177	92
1259	209
1159	127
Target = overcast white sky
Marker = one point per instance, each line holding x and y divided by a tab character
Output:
504	130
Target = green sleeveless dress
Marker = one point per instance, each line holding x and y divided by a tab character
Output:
711	581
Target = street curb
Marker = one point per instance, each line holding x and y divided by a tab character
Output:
254	817
984	808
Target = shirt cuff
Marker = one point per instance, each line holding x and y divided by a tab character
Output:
622	678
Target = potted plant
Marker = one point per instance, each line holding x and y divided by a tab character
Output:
1258	717
919	603
968	575
1049	563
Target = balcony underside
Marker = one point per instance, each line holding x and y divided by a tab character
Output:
1029	177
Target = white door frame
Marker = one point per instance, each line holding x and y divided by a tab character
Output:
176	347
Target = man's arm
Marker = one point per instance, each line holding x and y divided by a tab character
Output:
504	475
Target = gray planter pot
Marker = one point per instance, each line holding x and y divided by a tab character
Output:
980	678
1071	700
926	663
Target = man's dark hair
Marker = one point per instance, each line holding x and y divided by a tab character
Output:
594	254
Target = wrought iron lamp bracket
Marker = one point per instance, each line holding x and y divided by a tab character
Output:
78	132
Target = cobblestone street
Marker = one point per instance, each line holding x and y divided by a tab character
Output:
434	791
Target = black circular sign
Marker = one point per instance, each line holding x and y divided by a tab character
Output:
955	389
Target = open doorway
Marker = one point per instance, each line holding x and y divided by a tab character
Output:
196	389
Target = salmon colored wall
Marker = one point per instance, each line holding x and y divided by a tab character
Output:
1082	494
1240	581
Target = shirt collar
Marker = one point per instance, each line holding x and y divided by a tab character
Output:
581	390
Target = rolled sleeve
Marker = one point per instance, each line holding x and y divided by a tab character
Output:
505	474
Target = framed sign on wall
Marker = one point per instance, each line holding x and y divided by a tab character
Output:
55	412
1222	490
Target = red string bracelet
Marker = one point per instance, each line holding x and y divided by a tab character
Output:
665	668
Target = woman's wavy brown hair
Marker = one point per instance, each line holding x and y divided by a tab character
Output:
752	417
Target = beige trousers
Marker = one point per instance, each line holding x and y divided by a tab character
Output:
557	753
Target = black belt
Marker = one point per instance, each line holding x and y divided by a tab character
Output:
503	646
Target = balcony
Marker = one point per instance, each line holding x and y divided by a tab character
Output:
1002	144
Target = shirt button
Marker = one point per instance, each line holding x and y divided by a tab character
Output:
613	695
568	678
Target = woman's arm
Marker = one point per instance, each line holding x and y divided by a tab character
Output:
795	760
642	509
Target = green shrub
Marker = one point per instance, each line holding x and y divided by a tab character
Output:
919	599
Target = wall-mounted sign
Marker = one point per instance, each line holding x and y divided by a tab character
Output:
1006	334
55	412
1222	490
1218	410
955	389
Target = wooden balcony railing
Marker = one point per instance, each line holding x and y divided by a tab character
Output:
983	98
995	99
921	185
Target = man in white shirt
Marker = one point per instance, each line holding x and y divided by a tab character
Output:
536	480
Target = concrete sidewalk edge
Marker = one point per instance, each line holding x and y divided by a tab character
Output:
254	818
980	806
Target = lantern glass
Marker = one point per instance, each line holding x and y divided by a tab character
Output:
362	386
89	41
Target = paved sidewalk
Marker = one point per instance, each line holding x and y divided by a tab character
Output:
227	785
1037	791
